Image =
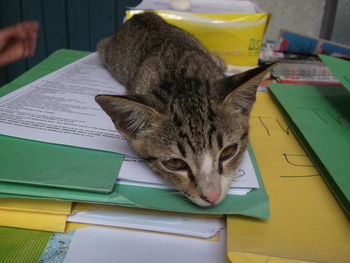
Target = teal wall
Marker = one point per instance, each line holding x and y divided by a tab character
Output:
72	24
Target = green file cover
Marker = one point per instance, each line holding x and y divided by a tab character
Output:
320	117
340	68
255	203
43	164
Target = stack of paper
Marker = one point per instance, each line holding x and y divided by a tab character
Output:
304	72
57	143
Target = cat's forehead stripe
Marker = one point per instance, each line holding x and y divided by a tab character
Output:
185	136
221	169
210	135
181	149
219	139
176	120
211	113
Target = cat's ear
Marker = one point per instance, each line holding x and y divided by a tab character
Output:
238	91
128	115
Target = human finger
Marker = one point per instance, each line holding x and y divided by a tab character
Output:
12	52
30	44
20	30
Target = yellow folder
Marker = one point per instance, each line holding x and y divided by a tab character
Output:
306	223
47	215
52	215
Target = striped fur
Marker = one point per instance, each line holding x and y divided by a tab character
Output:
179	105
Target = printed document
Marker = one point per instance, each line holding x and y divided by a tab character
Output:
60	108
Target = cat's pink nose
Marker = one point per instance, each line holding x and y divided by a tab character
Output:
212	197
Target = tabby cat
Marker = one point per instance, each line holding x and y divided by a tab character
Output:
181	114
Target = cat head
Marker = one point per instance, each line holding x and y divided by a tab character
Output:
193	139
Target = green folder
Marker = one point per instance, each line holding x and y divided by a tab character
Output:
320	117
339	67
255	203
42	164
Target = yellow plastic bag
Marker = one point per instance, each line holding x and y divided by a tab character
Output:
237	38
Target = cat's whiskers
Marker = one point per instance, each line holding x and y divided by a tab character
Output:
177	193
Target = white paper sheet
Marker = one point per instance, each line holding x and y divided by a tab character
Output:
93	244
231	191
196	227
60	108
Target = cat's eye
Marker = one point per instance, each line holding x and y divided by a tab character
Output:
228	152
175	164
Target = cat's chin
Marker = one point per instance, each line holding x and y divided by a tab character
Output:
200	202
